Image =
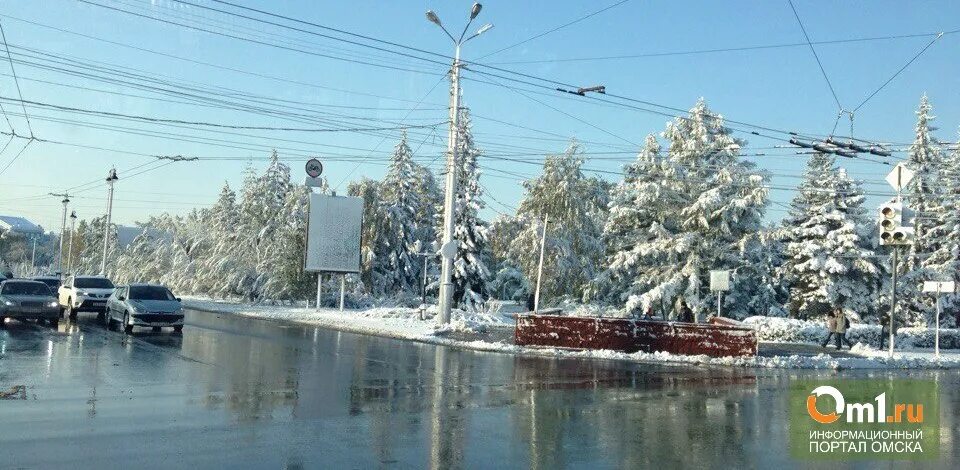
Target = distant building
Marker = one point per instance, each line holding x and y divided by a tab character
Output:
13	224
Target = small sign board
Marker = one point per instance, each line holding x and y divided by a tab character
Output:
314	168
720	280
939	287
333	234
900	176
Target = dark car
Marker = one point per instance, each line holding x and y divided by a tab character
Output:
53	282
25	299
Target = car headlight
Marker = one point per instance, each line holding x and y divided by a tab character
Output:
7	303
80	292
52	304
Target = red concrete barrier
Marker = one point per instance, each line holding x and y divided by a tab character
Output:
628	335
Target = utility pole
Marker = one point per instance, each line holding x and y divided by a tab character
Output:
33	256
449	245
63	226
543	247
73	225
111	179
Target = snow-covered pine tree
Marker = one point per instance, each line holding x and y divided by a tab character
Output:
945	261
577	207
470	272
713	200
924	196
396	270
828	259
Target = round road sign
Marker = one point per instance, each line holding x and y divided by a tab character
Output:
314	168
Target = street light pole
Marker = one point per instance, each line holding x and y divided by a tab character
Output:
73	225
111	179
63	226
448	244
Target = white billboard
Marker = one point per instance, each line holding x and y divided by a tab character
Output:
333	234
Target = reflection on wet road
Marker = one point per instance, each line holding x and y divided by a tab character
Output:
232	392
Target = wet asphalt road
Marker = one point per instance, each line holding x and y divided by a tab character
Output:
232	392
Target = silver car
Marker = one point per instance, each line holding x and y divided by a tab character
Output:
146	305
23	299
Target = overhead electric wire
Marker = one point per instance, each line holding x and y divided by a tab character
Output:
725	49
255	41
558	28
13	71
897	73
815	55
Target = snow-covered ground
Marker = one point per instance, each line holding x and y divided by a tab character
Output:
491	331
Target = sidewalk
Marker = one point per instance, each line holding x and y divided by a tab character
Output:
494	332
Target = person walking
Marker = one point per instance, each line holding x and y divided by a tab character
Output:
831	330
884	328
842	324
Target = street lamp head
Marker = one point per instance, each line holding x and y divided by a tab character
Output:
475	10
484	29
433	18
73	214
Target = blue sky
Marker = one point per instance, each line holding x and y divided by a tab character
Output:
781	88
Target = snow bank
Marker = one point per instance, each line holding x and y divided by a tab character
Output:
787	330
466	329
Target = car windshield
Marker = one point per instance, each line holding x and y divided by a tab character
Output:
151	293
25	288
93	283
50	282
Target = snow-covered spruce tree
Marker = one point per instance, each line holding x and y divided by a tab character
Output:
945	261
828	257
712	200
470	272
576	206
369	191
288	281
430	197
223	269
396	270
637	204
260	217
924	196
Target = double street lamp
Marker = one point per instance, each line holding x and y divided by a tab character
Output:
449	247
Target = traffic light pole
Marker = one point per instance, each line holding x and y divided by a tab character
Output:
893	297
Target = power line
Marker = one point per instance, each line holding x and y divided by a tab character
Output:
724	49
915	57
208	124
553	30
815	56
15	81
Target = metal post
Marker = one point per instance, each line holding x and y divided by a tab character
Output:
893	297
446	273
343	289
73	224
33	256
63	226
719	293
543	244
111	178
936	341
319	289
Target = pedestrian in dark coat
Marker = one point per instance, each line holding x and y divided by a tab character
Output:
831	330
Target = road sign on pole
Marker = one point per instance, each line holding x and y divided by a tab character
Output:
719	282
899	177
937	288
314	168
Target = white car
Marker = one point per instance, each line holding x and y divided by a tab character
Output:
84	294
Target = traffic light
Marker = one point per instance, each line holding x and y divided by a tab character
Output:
893	228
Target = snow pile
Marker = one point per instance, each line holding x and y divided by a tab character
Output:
788	330
466	328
